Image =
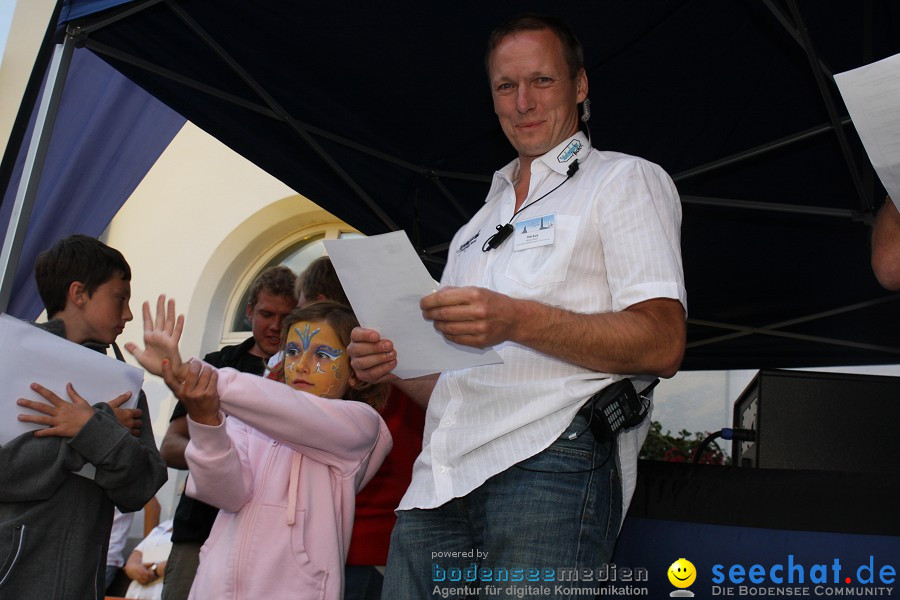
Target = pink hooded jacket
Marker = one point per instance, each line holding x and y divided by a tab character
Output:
284	469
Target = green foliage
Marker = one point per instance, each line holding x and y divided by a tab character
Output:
680	447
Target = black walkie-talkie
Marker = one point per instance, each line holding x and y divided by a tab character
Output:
617	407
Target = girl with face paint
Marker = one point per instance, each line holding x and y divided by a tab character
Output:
307	348
282	462
314	339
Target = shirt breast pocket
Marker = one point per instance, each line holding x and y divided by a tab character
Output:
545	265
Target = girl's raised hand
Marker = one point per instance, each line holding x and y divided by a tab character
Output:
161	337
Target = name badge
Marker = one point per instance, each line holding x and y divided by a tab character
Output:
534	233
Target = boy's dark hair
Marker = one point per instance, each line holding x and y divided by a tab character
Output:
320	278
573	52
342	320
80	258
278	281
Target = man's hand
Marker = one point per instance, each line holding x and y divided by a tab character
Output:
65	419
196	390
371	357
471	316
161	337
143	573
129	418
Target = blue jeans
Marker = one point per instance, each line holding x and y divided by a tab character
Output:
560	509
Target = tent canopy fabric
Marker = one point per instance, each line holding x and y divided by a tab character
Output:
381	114
107	136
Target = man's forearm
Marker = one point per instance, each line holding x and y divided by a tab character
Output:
418	389
172	451
647	338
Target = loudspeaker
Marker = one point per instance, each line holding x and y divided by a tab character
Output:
823	421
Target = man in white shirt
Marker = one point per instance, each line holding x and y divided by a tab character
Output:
511	487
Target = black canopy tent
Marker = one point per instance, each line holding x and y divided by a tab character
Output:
381	114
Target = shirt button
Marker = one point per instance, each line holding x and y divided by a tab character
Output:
443	470
448	422
274	443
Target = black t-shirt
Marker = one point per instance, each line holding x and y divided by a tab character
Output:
194	519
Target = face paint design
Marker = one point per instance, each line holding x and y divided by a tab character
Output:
315	360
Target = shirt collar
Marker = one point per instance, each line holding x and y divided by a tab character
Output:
558	159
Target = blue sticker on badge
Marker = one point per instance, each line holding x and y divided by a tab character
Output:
571	150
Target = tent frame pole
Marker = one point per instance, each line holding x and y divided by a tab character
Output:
34	165
797	209
774	329
756	151
798	31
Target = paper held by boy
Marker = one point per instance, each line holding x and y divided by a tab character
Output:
384	280
31	355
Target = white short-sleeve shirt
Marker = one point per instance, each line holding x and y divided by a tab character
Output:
615	242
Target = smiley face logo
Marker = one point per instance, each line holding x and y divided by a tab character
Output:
682	573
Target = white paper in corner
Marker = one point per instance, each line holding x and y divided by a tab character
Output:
29	355
384	280
872	96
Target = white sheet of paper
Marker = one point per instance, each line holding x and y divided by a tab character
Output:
872	96
384	280
31	355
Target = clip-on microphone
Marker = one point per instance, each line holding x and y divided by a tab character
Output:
504	231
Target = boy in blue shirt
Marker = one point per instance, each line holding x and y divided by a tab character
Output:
54	524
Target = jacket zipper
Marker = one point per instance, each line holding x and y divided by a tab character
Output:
97	573
248	526
20	530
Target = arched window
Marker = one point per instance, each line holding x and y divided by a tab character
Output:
296	254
